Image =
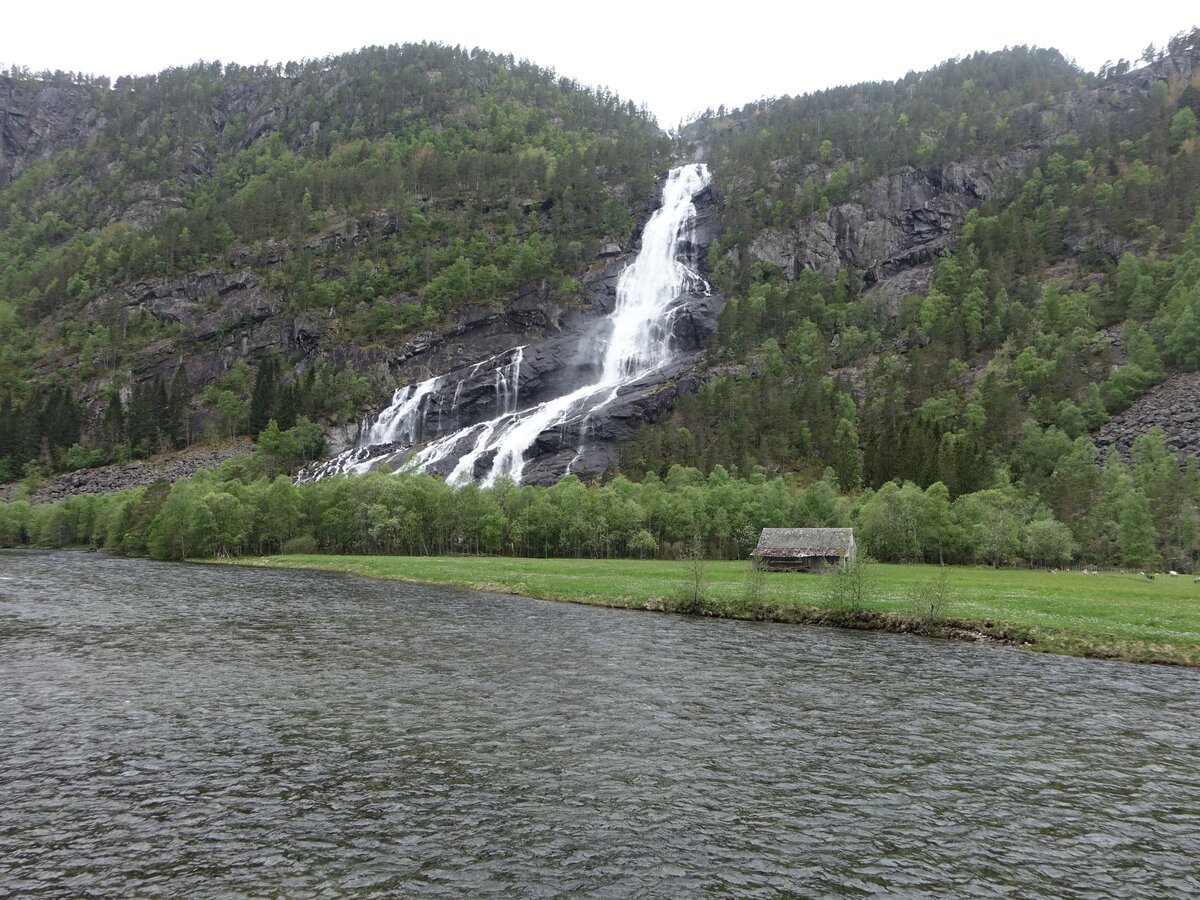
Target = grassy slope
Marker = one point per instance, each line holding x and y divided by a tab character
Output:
1107	616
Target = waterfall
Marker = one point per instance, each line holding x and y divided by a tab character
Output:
639	342
508	387
404	420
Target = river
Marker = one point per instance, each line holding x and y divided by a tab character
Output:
204	731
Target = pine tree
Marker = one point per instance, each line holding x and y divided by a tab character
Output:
112	426
140	418
180	402
286	408
60	420
847	458
9	423
262	397
160	411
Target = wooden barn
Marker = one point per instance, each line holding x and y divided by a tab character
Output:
804	549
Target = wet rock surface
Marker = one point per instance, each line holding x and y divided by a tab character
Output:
562	349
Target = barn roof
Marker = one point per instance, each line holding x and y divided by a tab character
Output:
801	542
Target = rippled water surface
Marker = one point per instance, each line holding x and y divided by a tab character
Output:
191	731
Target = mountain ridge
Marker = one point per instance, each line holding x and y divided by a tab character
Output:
318	291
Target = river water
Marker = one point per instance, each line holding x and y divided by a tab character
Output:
198	731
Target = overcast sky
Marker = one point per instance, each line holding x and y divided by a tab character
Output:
675	58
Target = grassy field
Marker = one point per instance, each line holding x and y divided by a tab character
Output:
1107	616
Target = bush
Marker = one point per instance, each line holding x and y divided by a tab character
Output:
929	600
302	545
692	600
752	584
851	585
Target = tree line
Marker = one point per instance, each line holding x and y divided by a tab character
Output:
1144	514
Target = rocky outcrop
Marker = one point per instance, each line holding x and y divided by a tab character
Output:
120	477
1173	406
38	120
41	118
894	224
207	303
221	317
597	447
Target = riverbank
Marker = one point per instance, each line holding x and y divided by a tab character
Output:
1106	616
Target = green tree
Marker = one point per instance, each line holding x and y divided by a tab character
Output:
262	397
847	458
231	412
891	522
1183	127
990	524
1136	537
180	404
280	450
1049	543
279	514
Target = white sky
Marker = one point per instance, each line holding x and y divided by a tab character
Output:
675	58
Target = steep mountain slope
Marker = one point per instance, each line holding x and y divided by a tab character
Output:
996	246
924	278
341	217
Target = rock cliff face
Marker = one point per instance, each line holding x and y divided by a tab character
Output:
895	224
39	120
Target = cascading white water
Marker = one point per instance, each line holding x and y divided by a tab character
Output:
403	419
640	340
639	343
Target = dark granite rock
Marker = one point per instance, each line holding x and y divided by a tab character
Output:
1173	406
895	222
39	120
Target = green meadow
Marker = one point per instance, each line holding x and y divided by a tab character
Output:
1108	616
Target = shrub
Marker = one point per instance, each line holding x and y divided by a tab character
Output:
929	600
752	584
850	585
692	600
301	545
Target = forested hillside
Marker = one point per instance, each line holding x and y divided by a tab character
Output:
954	302
161	237
959	278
